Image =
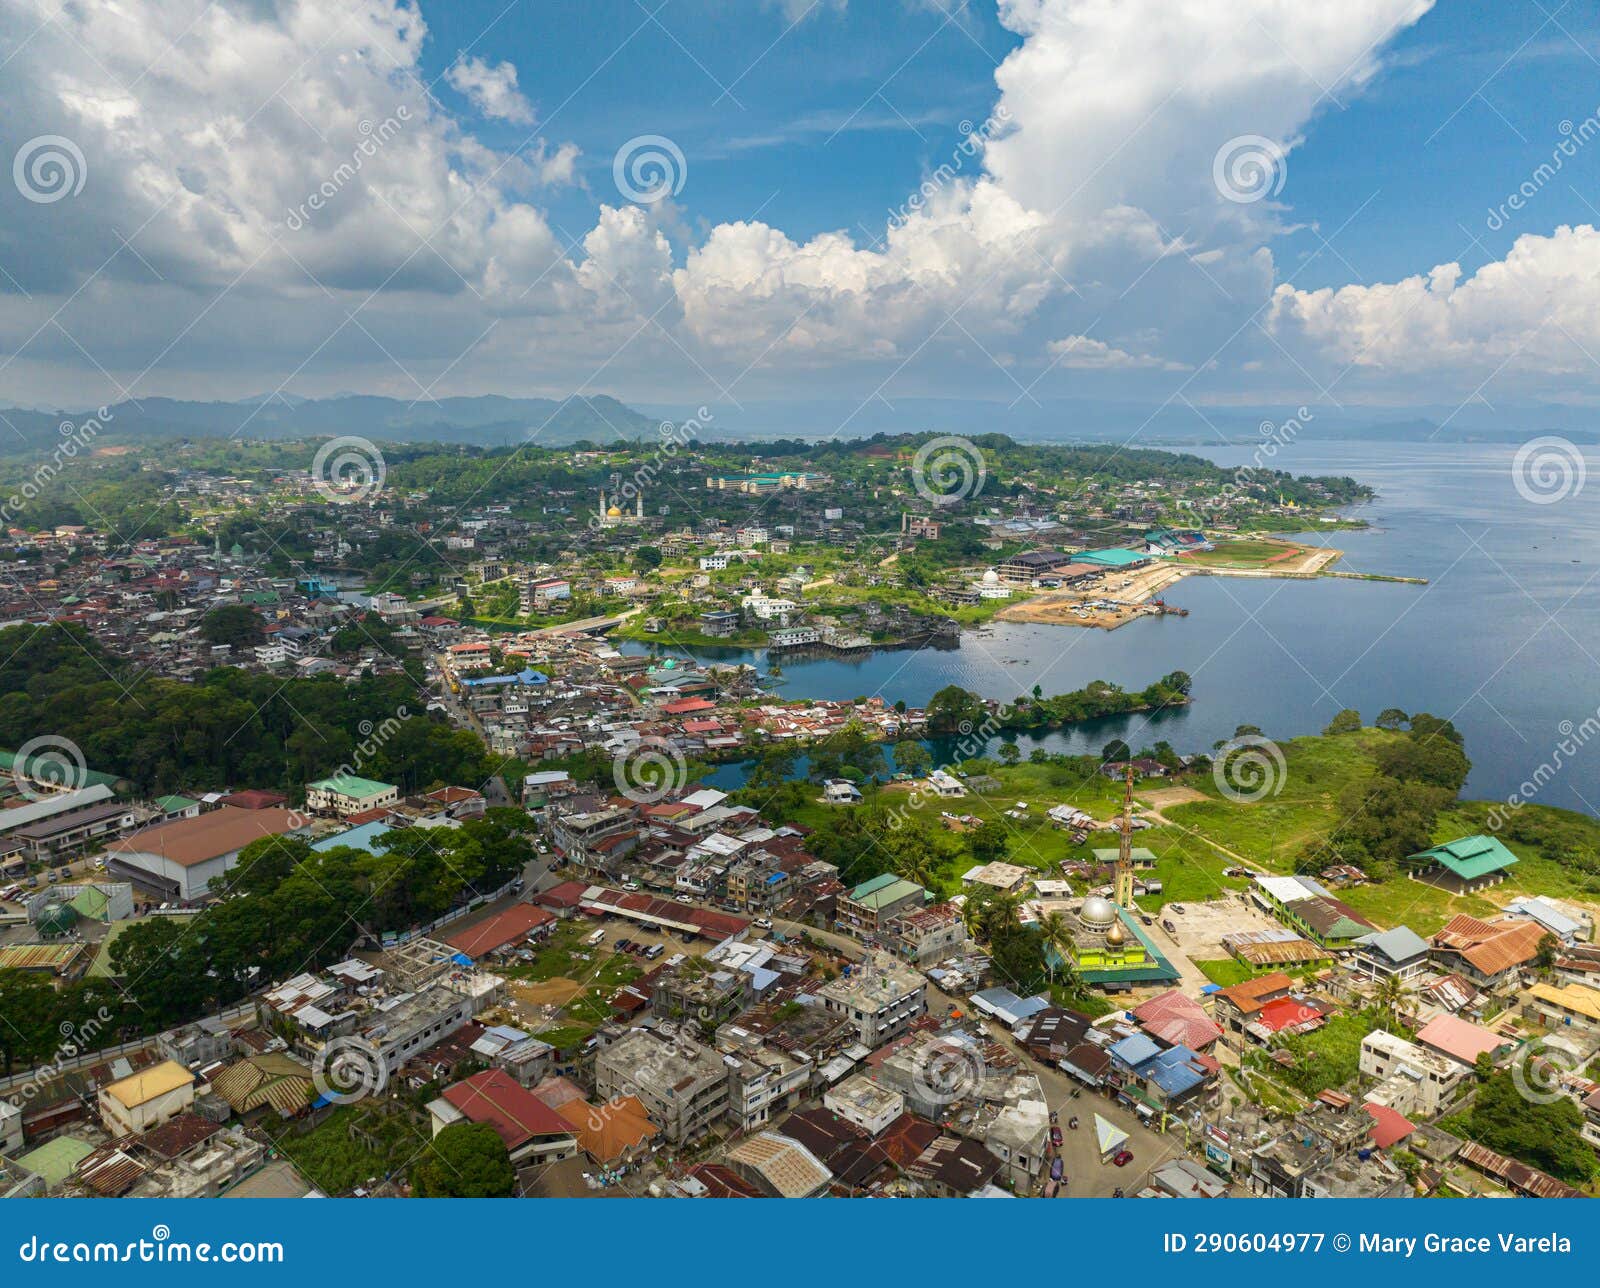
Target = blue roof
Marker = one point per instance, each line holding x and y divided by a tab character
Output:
521	677
1172	1070
356	838
1135	1050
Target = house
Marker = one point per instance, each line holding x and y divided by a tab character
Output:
1178	1020
1466	866
1399	953
532	1131
183	857
954	1167
1574	1007
872	905
928	935
841	791
1005	877
503	931
1412	1080
682	1085
1237	1007
1490	954
1461	1040
346	794
779	1166
865	1103
1306	907
882	997
141	1101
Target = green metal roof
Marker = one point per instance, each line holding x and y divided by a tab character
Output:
351	785
1469	858
56	1159
172	804
884	890
1115	557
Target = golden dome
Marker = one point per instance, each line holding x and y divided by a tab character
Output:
1116	936
613	513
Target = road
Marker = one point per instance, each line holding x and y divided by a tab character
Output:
1087	1176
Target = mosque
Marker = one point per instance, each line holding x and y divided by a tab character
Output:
1109	949
613	516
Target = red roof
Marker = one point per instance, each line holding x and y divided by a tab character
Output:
255	798
1178	1021
1460	1039
376	815
1286	1013
516	1114
569	894
499	930
1388	1126
683	706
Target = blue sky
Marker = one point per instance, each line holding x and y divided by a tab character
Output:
221	243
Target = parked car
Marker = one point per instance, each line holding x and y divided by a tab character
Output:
1178	908
1166	924
624	945
1122	1157
683	898
1055	1137
763	923
654	951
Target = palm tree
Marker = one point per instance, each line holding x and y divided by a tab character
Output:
1391	996
1059	939
913	865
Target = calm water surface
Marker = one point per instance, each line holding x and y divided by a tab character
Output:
1504	640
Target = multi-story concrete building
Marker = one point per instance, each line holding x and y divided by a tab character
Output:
881	996
682	1084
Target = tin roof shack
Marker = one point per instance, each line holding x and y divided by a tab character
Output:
779	1167
954	1167
683	1085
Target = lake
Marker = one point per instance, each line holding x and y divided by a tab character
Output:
1504	640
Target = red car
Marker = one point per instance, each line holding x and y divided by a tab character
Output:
1055	1137
1122	1157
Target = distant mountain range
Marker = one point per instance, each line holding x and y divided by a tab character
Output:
488	421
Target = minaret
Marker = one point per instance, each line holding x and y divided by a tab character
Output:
1124	892
638	506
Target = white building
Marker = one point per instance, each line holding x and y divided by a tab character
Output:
869	1105
882	996
146	1099
1414	1080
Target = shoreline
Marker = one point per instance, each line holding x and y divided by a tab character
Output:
1123	599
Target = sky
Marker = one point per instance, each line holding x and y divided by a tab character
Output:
1368	204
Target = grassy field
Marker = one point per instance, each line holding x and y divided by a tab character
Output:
562	957
1242	554
1203	838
